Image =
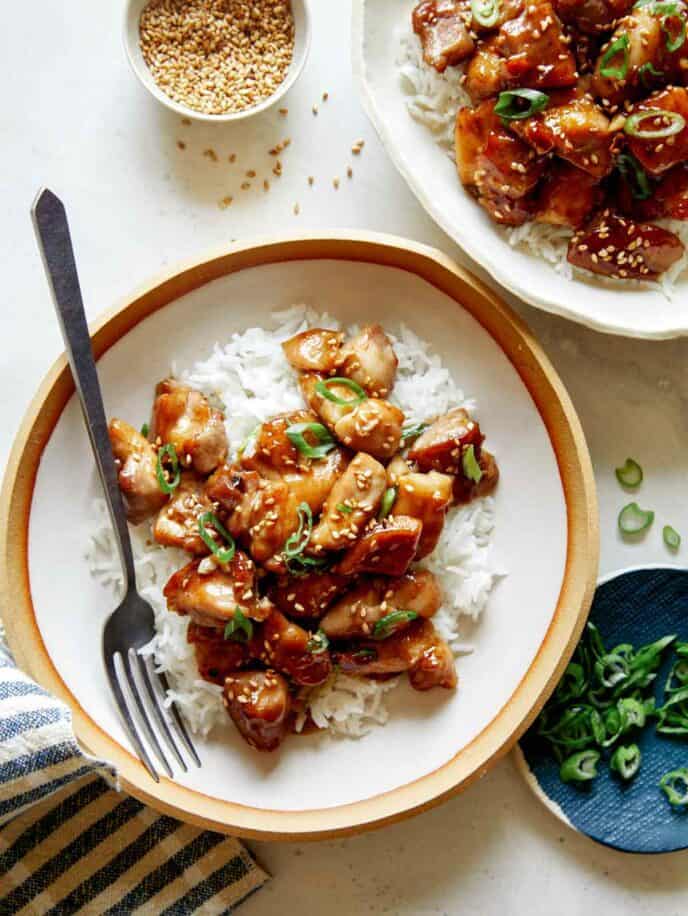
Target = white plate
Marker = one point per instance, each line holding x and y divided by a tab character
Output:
536	538
431	175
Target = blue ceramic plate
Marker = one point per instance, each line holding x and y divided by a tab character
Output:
636	606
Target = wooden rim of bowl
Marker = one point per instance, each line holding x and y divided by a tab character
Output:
575	469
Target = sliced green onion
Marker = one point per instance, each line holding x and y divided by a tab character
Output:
679	672
681	649
317	643
631	474
632	712
302	565
636	178
611	669
388	500
296	435
580	767
633	125
671	537
412	431
223	554
649	657
345	510
485	12
614	720
646	71
469	462
145	429
572	685
249	440
297	542
239	628
673	42
626	760
675	786
364	654
323	388
634	520
168	486
510	103
391	622
619	45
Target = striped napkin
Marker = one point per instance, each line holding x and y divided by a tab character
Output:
71	843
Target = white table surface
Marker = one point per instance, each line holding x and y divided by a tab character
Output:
76	120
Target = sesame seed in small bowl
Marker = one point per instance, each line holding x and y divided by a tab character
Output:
217	60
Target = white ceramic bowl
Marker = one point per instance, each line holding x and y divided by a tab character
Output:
545	537
431	175
302	43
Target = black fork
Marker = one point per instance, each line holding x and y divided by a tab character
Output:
137	688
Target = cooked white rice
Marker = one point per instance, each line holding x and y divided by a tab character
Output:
252	378
433	100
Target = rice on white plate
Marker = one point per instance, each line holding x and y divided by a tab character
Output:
433	100
252	379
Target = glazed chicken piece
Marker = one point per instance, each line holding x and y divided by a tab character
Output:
386	547
183	418
373	426
497	168
593	16
137	463
418	649
440	447
216	657
211	598
177	522
640	42
353	501
668	197
356	614
369	359
307	596
263	513
530	50
660	154
314	350
287	647
259	704
272	454
444	32
576	130
466	490
619	247
567	196
425	497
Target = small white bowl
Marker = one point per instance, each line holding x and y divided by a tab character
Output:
302	43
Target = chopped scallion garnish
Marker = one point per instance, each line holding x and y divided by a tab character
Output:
323	388
239	628
580	767
671	537
634	520
673	39
469	462
516	104
636	178
485	12
344	509
626	760
296	434
646	71
618	46
630	475
166	482
391	622
675	786
412	431
145	429
223	553
297	542
671	123
317	643
388	500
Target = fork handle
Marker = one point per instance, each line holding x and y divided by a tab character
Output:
55	243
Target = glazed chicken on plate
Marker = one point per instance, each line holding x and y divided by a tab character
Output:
304	542
578	117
